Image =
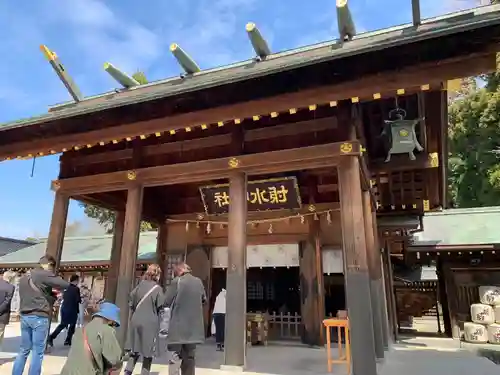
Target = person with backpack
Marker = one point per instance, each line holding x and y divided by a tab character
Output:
146	303
95	350
35	309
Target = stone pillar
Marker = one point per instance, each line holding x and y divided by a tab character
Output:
356	268
55	239
116	247
373	257
311	287
128	256
236	286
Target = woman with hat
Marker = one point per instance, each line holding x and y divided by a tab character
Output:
95	350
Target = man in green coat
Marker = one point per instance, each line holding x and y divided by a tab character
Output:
95	350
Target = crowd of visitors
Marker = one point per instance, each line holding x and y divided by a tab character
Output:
94	347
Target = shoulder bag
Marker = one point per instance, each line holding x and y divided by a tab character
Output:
145	296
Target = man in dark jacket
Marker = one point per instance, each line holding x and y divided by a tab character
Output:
35	307
6	293
185	297
69	312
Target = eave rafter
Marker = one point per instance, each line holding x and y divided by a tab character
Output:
365	89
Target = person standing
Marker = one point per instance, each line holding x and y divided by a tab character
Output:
185	297
219	317
95	349
85	296
6	292
36	303
146	302
70	308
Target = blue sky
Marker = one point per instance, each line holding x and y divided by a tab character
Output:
132	36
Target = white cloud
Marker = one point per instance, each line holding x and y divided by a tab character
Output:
105	35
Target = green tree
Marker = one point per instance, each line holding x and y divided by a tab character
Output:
105	217
474	136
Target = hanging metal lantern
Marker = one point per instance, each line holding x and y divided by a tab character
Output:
402	135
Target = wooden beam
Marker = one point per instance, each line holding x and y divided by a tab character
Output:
356	269
111	284
55	240
259	215
236	279
254	135
253	164
128	255
373	257
430	73
403	163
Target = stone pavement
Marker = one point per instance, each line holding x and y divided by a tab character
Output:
414	356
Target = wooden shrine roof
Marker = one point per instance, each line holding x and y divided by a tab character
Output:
84	251
459	228
396	47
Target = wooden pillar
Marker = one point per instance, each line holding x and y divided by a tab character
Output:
382	287
391	293
356	268
161	251
55	239
311	287
128	256
373	257
112	279
443	297
236	285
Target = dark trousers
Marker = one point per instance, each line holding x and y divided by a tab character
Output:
220	326
59	328
183	359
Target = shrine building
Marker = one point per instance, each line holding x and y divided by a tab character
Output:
291	178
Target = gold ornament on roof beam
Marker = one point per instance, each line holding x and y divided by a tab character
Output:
187	226
270	230
302	219
233	163
209	228
131	175
197	225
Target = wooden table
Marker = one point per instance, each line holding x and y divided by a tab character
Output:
340	324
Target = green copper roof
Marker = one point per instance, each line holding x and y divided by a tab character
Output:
471	226
80	249
288	60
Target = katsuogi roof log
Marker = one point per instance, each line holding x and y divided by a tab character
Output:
259	44
122	78
63	75
184	60
347	30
